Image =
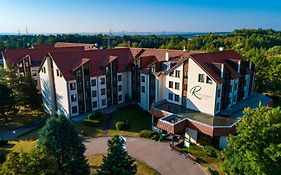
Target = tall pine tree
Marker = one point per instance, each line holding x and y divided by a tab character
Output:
60	140
117	160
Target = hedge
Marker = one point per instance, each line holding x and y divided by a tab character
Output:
94	123
149	134
95	116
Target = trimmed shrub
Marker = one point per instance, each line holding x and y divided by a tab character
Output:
96	116
93	123
3	142
146	133
210	151
91	116
120	125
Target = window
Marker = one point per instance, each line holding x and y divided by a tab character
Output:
119	97
119	88
74	109
94	93
102	91
142	89
95	104
185	74
177	98
103	102
201	78
170	96
171	74
26	64
230	88
143	79
219	93
102	81
177	73
217	106
73	98
235	86
119	77
58	72
35	82
170	84
209	80
72	86
44	70
79	85
33	73
229	100
78	73
80	97
93	82
177	85
235	98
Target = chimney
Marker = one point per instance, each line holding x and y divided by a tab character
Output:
221	48
222	69
167	56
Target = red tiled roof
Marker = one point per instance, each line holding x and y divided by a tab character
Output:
206	60
36	54
87	46
98	60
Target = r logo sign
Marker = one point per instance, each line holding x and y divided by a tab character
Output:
194	90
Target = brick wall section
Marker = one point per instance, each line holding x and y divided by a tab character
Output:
159	114
190	124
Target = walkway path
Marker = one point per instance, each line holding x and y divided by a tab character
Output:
158	155
19	131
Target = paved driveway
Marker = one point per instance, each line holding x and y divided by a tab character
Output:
156	154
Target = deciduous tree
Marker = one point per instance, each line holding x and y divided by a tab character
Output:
256	149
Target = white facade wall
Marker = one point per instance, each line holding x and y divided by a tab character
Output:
61	92
144	96
70	93
47	90
161	87
100	87
205	97
174	91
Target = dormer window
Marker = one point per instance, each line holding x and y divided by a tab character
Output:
201	78
171	74
177	73
209	80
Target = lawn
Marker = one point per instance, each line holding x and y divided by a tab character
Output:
25	116
207	157
142	169
137	118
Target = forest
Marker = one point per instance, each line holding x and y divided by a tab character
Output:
262	47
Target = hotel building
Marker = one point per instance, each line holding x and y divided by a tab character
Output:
200	95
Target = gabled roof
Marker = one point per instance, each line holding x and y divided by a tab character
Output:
98	60
207	61
87	46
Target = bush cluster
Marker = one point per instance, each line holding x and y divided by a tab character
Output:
149	134
210	151
122	125
93	123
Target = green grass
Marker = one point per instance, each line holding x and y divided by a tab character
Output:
205	160
123	133
86	132
138	121
23	117
96	160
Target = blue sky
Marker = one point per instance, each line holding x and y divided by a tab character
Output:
67	16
